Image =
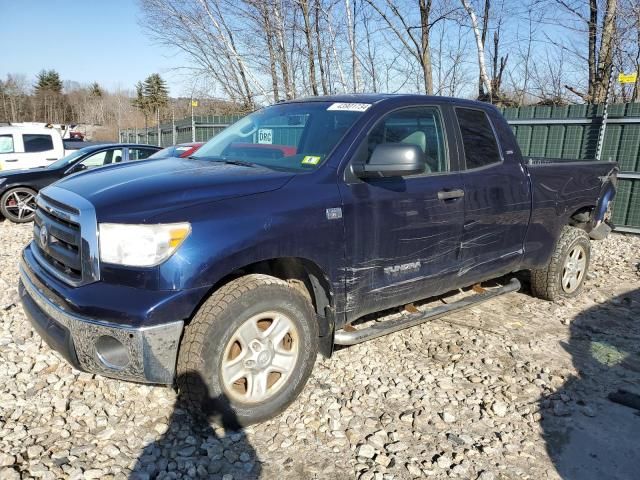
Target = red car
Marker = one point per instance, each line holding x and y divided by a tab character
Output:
182	150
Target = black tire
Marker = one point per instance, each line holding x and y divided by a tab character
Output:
547	283
10	204
213	333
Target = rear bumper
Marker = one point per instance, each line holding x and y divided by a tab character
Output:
145	354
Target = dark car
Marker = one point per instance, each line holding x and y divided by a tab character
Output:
182	150
18	188
228	271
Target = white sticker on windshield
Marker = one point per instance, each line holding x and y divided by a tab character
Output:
265	135
350	107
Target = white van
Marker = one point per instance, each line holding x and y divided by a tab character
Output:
29	146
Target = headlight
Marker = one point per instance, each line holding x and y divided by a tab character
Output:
140	245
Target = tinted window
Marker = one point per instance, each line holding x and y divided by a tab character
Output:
6	143
37	143
417	126
140	153
105	157
480	146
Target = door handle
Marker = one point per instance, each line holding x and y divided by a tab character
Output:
51	159
450	194
12	160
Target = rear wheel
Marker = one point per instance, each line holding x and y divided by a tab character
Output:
249	350
564	275
18	204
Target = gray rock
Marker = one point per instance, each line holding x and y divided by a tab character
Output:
365	450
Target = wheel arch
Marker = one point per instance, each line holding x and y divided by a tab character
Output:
301	273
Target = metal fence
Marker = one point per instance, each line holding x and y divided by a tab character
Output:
542	131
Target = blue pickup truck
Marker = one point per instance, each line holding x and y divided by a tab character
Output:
237	265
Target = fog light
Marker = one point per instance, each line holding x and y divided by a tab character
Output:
112	352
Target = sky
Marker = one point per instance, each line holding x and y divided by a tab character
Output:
85	41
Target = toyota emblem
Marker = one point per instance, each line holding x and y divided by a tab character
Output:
44	237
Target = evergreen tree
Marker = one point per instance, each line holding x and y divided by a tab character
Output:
48	81
156	95
95	90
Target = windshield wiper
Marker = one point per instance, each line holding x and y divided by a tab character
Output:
229	161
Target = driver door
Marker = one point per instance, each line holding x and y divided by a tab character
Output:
403	236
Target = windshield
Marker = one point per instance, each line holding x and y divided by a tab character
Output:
294	136
64	161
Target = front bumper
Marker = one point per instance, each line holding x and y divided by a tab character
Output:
150	352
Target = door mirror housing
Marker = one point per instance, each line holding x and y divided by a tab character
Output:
78	167
393	160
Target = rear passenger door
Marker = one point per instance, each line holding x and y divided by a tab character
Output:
403	234
497	201
39	150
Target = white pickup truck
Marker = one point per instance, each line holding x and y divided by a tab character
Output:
29	146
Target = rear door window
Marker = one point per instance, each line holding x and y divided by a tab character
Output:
6	144
478	139
37	143
140	153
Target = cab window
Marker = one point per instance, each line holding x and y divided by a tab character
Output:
6	143
478	139
420	126
37	143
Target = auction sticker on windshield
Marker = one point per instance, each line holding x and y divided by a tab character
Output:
350	107
265	135
311	160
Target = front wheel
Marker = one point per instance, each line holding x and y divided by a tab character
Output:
564	275
18	204
248	351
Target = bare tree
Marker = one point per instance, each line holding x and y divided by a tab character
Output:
479	35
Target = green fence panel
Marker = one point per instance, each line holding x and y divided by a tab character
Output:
629	152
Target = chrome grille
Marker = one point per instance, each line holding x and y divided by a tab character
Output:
65	236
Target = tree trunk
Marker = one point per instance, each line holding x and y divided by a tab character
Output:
425	54
605	54
282	52
351	32
592	29
480	47
323	79
268	32
304	7
485	27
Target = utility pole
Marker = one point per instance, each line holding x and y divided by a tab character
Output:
173	125
193	120
159	130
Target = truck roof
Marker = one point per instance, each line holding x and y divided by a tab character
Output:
381	97
26	129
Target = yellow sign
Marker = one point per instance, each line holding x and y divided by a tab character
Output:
311	160
628	77
194	103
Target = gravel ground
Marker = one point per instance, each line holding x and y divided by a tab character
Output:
514	388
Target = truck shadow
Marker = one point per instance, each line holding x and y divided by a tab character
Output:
191	448
587	435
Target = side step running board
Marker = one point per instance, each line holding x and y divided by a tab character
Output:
380	329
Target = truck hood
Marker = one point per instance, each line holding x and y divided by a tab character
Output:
138	191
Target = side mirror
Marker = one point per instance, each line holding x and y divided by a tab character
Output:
393	160
78	167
